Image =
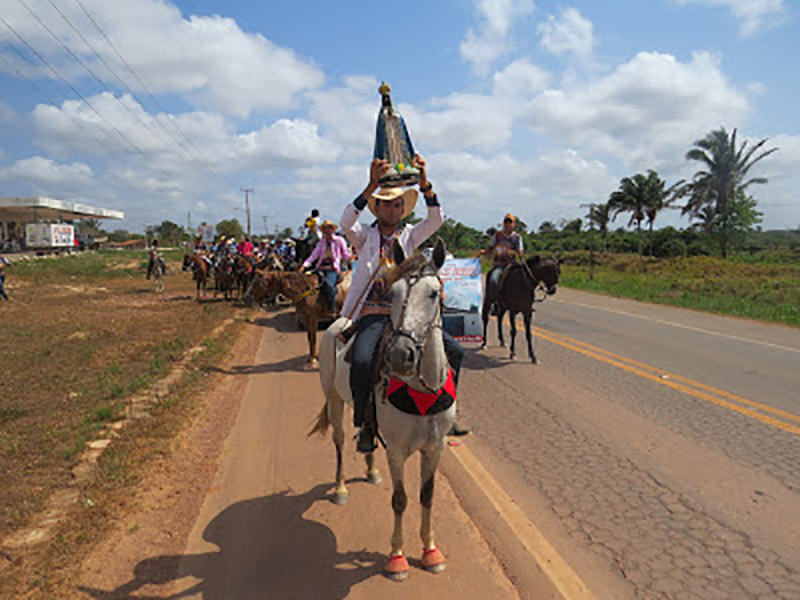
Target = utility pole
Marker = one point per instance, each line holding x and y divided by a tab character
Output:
264	217
247	192
592	207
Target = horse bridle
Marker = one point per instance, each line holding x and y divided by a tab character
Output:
418	342
540	285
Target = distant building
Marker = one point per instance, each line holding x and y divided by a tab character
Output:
16	212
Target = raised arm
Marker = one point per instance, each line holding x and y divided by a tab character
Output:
349	223
434	219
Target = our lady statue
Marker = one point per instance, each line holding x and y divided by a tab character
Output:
393	144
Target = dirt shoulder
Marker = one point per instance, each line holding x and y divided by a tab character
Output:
242	507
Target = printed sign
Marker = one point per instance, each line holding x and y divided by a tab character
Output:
463	297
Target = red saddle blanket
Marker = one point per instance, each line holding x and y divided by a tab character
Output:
415	402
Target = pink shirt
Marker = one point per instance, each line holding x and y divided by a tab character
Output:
338	250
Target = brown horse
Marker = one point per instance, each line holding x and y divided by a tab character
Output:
200	271
518	286
303	291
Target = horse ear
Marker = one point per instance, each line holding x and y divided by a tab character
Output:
438	253
398	252
535	259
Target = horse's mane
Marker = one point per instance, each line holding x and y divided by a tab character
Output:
416	262
296	283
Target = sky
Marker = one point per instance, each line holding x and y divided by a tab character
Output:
166	110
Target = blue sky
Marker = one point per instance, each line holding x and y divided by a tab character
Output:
533	107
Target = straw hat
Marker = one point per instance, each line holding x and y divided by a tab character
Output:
510	217
408	195
328	224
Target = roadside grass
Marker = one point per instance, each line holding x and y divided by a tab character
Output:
121	468
82	334
754	290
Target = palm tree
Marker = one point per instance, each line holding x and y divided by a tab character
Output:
600	215
633	197
723	179
659	198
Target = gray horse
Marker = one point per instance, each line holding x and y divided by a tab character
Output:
412	353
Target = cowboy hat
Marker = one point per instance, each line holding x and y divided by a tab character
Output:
409	196
328	224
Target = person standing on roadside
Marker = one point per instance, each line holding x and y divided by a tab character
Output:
4	262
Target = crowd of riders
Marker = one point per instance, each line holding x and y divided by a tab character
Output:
319	249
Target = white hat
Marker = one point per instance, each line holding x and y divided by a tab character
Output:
409	196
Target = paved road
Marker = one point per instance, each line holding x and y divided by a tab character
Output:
658	448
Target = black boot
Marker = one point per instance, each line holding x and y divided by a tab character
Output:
365	441
458	430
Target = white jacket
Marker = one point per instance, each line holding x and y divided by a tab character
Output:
367	241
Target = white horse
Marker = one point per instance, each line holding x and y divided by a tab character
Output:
412	353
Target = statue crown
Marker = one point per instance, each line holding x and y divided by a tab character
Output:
384	89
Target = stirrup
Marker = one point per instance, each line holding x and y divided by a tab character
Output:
365	439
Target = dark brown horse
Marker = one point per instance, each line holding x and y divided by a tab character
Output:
200	271
518	290
303	292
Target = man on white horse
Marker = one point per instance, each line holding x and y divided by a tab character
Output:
369	301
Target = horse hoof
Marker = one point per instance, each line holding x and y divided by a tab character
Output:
312	364
396	568
340	498
433	560
502	344
375	477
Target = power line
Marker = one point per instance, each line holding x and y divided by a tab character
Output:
53	102
139	79
84	65
61	78
122	83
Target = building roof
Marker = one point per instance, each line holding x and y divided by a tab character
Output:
42	208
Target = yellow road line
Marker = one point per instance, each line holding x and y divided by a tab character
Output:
686	380
677	386
557	570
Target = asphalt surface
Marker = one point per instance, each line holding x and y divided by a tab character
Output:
658	448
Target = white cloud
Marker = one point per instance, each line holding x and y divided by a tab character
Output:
754	15
44	176
643	110
208	59
483	46
779	199
348	114
570	33
479	190
286	143
520	81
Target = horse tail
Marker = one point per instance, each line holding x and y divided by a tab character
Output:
323	422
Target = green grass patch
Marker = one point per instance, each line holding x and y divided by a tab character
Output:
763	291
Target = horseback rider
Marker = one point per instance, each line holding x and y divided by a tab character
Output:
327	258
506	247
369	301
313	234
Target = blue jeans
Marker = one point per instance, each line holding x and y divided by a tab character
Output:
369	330
329	279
